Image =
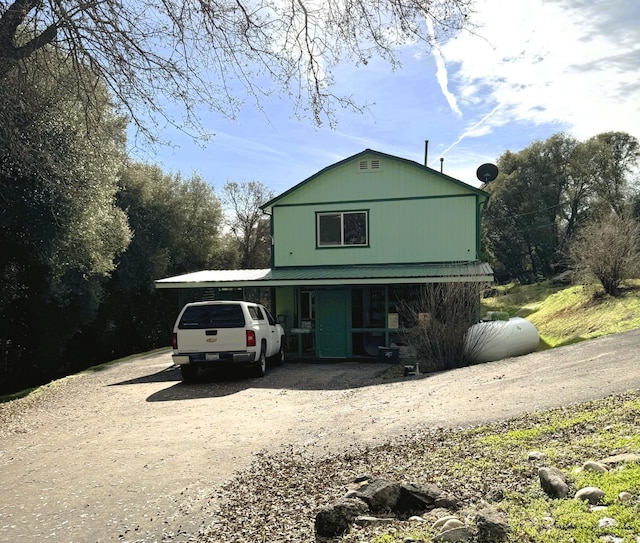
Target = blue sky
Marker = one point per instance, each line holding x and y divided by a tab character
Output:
530	69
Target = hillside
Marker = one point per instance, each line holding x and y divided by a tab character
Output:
566	315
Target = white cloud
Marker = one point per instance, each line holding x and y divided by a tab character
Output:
566	62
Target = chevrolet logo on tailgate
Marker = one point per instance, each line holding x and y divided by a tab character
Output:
212	339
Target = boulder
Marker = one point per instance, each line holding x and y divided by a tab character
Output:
591	494
379	494
553	482
492	525
336	519
425	497
590	465
461	533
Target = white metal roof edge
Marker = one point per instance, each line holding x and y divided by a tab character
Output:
481	278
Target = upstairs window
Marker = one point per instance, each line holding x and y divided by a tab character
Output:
340	229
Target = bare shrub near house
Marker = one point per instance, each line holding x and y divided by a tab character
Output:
437	322
609	250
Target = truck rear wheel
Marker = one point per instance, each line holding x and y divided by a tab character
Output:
189	372
260	365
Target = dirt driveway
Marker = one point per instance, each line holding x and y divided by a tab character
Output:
129	453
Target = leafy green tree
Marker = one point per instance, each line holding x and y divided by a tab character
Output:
59	228
521	223
217	52
547	191
249	227
176	226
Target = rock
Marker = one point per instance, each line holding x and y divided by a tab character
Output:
607	522
416	518
591	494
365	520
621	458
455	534
452	523
420	498
380	495
594	466
336	519
553	482
436	514
611	539
536	455
492	525
443	520
624	497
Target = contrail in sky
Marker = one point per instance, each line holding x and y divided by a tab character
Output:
468	131
441	71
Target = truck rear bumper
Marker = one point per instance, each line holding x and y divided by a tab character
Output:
214	358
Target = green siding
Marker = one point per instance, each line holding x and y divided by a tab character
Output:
400	231
415	215
346	182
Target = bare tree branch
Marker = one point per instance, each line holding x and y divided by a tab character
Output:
219	53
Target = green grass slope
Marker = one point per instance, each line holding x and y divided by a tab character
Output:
571	314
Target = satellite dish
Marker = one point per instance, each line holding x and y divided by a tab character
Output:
487	172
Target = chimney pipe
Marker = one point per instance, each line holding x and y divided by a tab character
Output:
441	163
426	151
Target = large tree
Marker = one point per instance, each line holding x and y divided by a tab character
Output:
60	230
176	228
547	191
249	227
215	52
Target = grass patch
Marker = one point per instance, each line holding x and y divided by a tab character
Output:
473	464
564	316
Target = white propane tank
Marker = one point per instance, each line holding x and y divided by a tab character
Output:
495	340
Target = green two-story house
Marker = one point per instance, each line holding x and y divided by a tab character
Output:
349	244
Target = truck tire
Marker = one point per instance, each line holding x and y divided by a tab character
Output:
278	358
189	373
260	365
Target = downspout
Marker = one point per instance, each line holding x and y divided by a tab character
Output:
481	205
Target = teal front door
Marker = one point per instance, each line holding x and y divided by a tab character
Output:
333	314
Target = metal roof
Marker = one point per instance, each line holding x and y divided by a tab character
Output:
333	275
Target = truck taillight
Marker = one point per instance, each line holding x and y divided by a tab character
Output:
251	338
174	340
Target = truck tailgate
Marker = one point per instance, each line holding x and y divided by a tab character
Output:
212	340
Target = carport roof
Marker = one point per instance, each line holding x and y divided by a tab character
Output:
333	275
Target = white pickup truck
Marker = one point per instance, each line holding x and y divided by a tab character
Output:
226	332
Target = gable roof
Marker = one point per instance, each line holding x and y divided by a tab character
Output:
267	207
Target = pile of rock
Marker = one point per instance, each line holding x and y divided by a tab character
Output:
377	501
372	501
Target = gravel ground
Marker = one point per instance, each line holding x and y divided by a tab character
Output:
128	453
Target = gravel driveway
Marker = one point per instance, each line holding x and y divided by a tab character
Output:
129	453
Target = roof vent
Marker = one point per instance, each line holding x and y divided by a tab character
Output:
369	165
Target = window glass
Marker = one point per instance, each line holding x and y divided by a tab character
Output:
340	229
212	316
330	229
355	229
270	318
